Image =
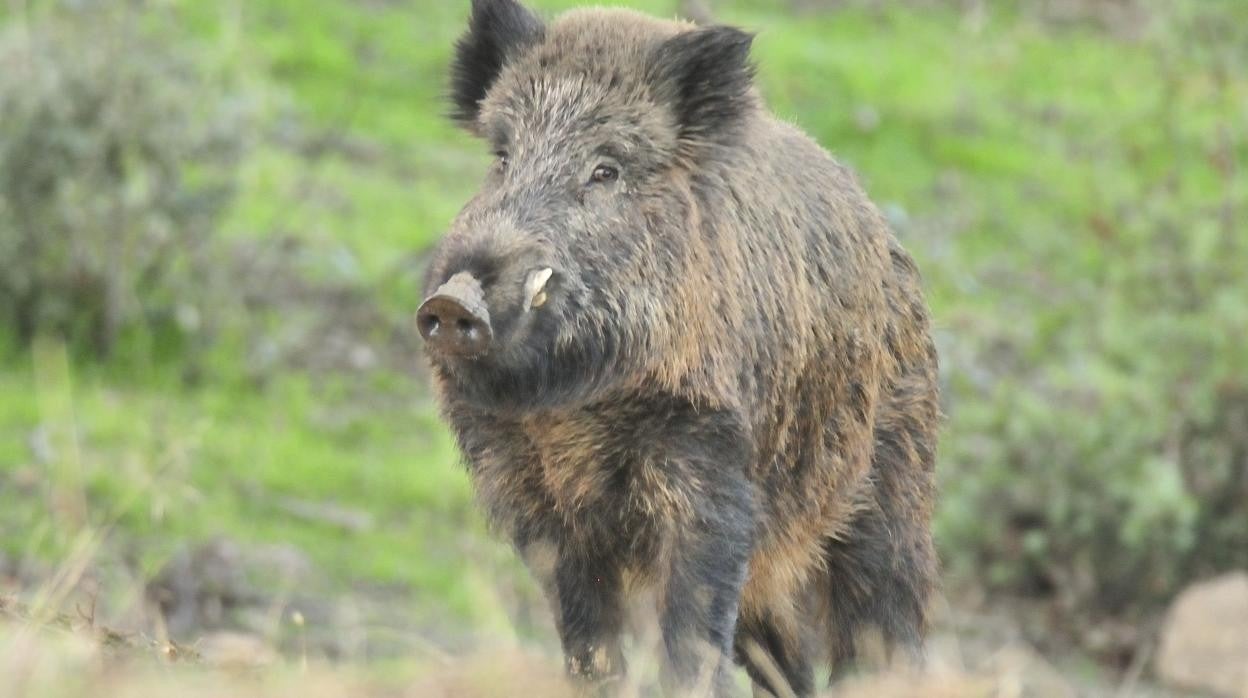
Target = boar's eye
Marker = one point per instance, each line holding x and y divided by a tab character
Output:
604	173
504	158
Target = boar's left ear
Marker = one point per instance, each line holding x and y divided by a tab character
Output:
705	75
497	32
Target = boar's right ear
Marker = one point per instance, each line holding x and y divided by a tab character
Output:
497	31
705	76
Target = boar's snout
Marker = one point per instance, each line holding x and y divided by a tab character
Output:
454	320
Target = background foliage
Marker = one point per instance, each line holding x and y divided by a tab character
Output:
211	223
118	161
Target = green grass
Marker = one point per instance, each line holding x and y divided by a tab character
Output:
1009	146
163	464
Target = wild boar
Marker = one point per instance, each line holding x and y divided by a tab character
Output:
682	354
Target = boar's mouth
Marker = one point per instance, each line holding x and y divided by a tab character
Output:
455	320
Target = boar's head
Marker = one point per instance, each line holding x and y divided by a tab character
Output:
559	278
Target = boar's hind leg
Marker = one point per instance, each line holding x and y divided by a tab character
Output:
775	655
699	604
882	572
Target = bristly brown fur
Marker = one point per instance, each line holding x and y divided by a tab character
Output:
731	395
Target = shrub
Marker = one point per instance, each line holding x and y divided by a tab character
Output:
117	160
1097	452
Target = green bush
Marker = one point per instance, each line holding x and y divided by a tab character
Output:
1116	468
117	160
1097	451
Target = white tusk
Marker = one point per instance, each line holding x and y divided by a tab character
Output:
534	294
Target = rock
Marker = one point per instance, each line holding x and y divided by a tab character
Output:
208	586
40	443
1204	644
199	586
698	11
1021	671
503	671
867	118
231	650
945	685
329	514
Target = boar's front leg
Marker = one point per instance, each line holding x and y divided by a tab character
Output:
707	564
583	586
585	591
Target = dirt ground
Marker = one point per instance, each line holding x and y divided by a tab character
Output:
227	619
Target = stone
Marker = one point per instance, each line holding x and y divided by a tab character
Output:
1021	671
1204	643
233	650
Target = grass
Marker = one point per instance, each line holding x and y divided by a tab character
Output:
162	464
1002	145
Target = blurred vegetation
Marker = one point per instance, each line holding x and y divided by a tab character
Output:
117	165
212	217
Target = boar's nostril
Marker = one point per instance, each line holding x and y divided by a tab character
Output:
454	320
429	325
